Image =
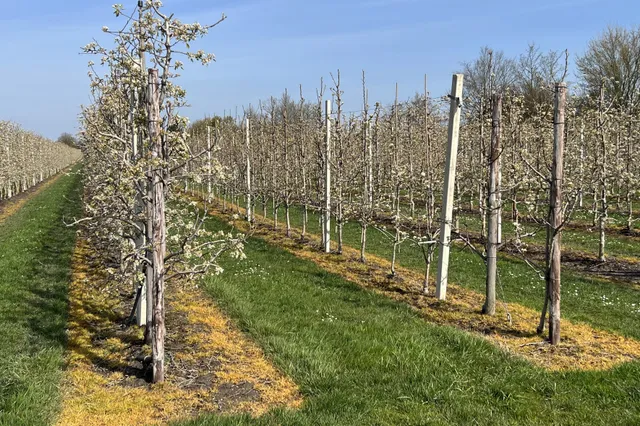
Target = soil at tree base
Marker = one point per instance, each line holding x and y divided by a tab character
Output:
211	365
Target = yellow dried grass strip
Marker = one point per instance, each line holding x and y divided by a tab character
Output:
93	398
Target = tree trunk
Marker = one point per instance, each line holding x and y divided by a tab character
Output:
393	256
493	210
581	166
602	221
363	242
629	211
367	167
305	217
482	190
396	241
275	216
427	254
340	219
224	199
287	217
556	214
604	207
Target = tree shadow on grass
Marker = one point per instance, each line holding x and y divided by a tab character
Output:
41	277
98	332
49	273
35	262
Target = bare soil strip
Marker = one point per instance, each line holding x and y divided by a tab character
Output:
582	348
212	366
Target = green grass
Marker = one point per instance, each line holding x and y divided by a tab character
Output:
359	358
362	359
573	239
35	258
603	304
600	303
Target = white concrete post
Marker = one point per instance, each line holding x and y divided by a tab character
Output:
449	185
327	180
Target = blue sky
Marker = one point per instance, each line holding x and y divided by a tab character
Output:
266	46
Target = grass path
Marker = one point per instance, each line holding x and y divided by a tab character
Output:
35	257
9	206
582	346
358	357
363	359
601	303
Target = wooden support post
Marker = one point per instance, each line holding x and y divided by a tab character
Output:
158	226
137	242
499	196
327	179
149	272
556	212
449	185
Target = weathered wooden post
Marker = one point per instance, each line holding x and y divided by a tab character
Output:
158	226
147	203
327	179
449	185
556	212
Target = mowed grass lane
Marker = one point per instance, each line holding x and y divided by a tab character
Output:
35	258
600	303
362	359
